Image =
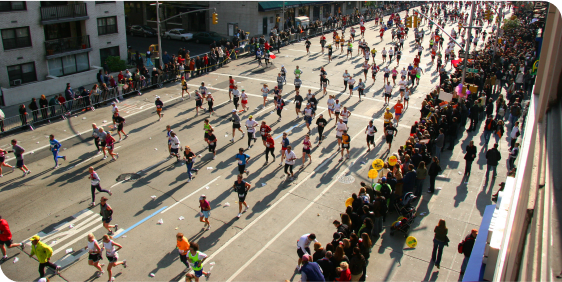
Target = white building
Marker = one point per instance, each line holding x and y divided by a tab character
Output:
46	44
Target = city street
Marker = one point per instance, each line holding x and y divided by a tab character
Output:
148	187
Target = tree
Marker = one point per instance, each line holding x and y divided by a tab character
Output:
511	24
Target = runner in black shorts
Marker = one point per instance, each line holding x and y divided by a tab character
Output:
390	132
212	141
241	187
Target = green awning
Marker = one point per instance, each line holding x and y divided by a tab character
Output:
278	5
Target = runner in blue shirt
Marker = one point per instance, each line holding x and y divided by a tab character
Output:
55	146
242	160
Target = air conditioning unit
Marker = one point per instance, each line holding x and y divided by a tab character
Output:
16	82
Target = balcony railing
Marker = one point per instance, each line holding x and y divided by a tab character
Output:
69	44
66	12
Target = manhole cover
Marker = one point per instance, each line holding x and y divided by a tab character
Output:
128	176
346	179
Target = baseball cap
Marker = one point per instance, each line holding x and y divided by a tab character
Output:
157	97
306	258
35	238
383	179
234	110
251	116
113	103
203	197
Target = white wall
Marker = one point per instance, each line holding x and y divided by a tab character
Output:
32	18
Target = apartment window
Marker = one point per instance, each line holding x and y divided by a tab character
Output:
20	74
16	38
8	6
107	25
69	64
106	52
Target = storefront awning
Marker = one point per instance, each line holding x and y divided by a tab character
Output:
278	5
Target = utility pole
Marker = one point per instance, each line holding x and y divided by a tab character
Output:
282	23
159	35
467	49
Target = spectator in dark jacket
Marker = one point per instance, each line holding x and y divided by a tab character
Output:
33	107
467	246
356	264
493	157
452	132
409	180
99	77
327	266
417	157
198	65
69	96
43	105
474	109
469	156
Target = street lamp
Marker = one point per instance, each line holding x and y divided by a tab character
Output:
159	37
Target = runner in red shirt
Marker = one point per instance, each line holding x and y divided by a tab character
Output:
416	61
264	131
6	239
231	84
362	31
398	110
269	148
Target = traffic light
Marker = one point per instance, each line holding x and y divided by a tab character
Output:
215	18
409	22
416	22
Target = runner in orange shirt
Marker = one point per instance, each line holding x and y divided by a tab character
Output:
183	247
398	110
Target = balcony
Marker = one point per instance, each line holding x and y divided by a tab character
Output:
65	13
67	46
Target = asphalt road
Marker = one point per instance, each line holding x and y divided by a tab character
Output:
171	46
49	201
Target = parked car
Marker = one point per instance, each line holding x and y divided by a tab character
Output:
208	37
178	34
143	30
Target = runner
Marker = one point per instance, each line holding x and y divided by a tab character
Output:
94	254
390	54
242	188
322	42
110	144
297	83
231	84
303	245
387	117
337	108
120	123
398	110
389	130
210	102
383	52
236	123
307	43
182	245
203	90
18	152
196	259
244	97
340	128
159	106
399	55
236	96
345	139
205	212
324	82
290	158
279	104
242	160
370	131
55	148
349	49
394	74
345	114
346	77
6	239
198	102
350	82
103	136
174	146
284	144
189	158
309	114
361	88
298	103
251	128
184	88
387	93
321	123
106	213
264	91
112	255
306	150
96	137
43	253
366	67
3	161
95	185
297	72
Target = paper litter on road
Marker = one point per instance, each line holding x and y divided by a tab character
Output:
441	175
54	242
263	184
64	130
227	204
71	226
64	149
37	142
16	259
212	263
207	187
151	274
466	183
84	118
68	251
149	138
459	172
160	222
439	188
153	197
181	218
200	156
104	121
209	168
176	228
124	236
423	213
155	149
32	152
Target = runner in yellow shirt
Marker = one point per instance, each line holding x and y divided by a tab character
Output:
387	117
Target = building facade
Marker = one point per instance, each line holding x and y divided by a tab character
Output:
143	13
260	17
47	44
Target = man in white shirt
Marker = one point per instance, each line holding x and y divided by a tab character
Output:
402	83
351	82
303	246
387	93
251	127
340	127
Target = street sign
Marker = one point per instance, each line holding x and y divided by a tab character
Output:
471	70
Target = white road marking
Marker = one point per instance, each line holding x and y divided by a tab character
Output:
192	193
264	213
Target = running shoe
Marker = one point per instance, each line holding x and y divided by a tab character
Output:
243	133
100	273
117	154
116	227
246	208
239	215
93	204
208	227
4	258
57	270
214	157
124	263
64	158
104	157
22	246
207	275
110	193
188	180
